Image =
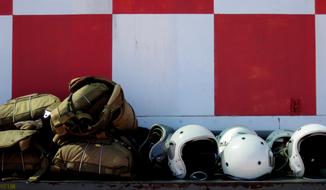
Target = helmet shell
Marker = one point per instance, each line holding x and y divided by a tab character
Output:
226	135
247	156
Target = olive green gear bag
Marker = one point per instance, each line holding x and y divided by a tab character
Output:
29	107
93	106
110	157
21	155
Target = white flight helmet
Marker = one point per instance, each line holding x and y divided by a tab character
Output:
304	148
154	148
227	134
278	135
192	152
277	141
247	157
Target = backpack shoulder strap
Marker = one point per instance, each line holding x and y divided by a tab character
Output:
111	108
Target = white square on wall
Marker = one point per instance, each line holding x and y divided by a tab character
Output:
321	64
165	63
5	58
264	6
59	7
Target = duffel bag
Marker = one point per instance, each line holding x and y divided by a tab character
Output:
29	107
111	157
21	155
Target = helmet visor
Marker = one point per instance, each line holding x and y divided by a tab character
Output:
313	157
200	156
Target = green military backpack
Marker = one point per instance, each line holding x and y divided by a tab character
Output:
22	155
109	157
93	106
29	107
24	136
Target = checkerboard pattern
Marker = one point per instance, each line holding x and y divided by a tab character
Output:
260	63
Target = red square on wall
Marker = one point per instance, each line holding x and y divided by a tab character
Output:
163	6
265	65
5	7
320	6
48	51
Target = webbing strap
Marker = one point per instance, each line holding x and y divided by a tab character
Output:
87	100
58	118
55	115
2	160
22	158
93	168
100	161
82	157
45	163
114	104
43	168
14	111
30	106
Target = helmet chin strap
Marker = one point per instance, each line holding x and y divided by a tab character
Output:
198	175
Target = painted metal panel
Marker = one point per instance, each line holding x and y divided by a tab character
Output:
54	7
262	123
320	6
165	63
163	6
51	50
264	6
293	123
321	64
5	7
5	58
265	65
218	123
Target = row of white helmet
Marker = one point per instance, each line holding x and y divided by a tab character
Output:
195	152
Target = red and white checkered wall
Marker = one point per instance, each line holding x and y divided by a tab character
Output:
258	63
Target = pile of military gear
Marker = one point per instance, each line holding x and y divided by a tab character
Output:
93	134
24	141
87	128
83	134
